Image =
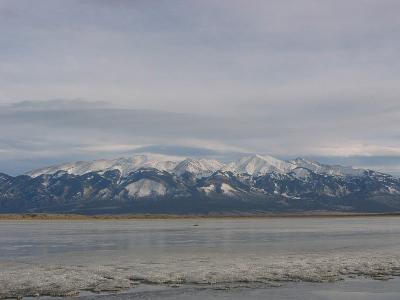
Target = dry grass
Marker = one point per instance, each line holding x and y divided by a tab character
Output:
73	217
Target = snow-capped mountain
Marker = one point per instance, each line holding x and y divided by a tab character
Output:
146	184
258	165
253	165
124	165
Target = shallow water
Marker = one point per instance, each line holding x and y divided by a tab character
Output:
203	258
344	290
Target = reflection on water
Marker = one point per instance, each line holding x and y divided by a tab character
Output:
135	238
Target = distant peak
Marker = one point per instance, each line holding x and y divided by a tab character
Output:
199	168
257	164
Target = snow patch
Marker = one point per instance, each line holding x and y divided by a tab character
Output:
208	189
227	189
301	173
146	188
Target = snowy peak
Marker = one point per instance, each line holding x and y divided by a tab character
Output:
124	165
199	168
259	165
335	170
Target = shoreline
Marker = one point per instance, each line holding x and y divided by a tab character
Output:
123	217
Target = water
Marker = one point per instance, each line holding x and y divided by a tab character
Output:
202	259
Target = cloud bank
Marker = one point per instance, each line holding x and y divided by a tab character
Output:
32	136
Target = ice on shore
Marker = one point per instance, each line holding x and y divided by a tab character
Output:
23	279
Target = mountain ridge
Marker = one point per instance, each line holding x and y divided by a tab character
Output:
144	184
255	164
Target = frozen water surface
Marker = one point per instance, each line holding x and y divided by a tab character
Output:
202	259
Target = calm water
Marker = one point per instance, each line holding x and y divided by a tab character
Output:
204	259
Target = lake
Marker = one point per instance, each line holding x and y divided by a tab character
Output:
255	258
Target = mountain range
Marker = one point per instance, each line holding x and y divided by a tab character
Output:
159	184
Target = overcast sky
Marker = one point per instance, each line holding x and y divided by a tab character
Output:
92	79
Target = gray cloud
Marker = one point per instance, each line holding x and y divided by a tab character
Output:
33	131
289	78
186	55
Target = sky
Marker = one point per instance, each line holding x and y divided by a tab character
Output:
82	80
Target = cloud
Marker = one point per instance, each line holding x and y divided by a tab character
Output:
386	164
67	130
288	78
205	56
359	150
64	130
55	104
111	148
